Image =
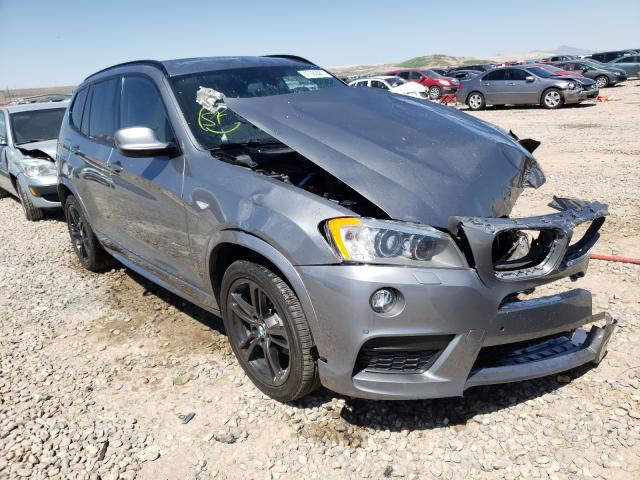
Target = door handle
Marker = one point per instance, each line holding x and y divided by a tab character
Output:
115	167
486	84
75	148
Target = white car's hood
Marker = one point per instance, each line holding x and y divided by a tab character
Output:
409	87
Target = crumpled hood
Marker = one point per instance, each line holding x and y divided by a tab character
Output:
418	161
36	149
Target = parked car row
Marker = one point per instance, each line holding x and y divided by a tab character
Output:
323	223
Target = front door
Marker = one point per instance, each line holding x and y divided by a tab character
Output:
521	91
145	205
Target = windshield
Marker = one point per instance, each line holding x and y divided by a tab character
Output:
540	72
201	98
431	73
395	81
36	125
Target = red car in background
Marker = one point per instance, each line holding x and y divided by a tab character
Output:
558	70
437	84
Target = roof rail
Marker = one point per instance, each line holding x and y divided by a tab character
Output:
292	57
151	63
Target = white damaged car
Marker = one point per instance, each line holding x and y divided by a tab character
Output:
393	84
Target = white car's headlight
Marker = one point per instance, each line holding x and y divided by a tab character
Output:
36	167
365	240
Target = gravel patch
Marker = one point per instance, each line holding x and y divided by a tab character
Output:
96	370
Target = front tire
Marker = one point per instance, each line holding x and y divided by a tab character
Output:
31	212
435	92
268	331
552	99
476	101
602	81
86	245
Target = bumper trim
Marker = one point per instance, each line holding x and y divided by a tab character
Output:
592	347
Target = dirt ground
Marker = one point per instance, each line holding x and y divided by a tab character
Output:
96	368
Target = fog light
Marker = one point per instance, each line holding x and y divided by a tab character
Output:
383	300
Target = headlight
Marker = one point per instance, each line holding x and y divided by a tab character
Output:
571	86
617	73
364	240
35	167
444	82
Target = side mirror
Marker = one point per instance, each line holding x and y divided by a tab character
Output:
141	142
530	79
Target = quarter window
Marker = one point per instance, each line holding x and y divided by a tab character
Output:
104	102
78	107
142	106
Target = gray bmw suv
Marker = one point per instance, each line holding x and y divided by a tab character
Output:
348	237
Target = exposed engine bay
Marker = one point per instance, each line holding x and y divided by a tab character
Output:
285	164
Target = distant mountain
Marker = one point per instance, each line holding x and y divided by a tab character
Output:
439	60
567	50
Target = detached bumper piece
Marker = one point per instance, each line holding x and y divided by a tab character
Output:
546	356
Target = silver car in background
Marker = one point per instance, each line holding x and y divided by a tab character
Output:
520	86
28	141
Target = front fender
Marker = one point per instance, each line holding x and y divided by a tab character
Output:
244	239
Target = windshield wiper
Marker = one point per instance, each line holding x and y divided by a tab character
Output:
251	143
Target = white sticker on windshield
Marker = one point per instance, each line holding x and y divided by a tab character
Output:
314	74
210	99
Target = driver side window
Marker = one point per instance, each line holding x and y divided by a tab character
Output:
142	106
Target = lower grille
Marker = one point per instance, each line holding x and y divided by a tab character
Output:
371	360
525	352
400	354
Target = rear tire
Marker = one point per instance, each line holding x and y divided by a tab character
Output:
32	213
475	101
602	81
86	245
268	331
435	92
552	99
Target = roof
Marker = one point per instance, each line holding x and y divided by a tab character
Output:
25	107
376	77
182	66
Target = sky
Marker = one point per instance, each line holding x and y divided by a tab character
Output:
60	42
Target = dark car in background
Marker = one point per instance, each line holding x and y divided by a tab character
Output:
520	86
629	63
436	84
604	76
464	74
326	226
606	57
481	67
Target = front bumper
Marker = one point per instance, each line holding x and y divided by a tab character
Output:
452	319
573	96
42	191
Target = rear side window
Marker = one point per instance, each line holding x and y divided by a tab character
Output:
414	76
496	75
104	103
142	106
404	75
3	129
78	107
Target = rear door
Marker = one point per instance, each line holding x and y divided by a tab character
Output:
5	182
145	204
494	87
89	144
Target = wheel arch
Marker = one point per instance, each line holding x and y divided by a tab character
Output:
233	245
544	92
466	100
